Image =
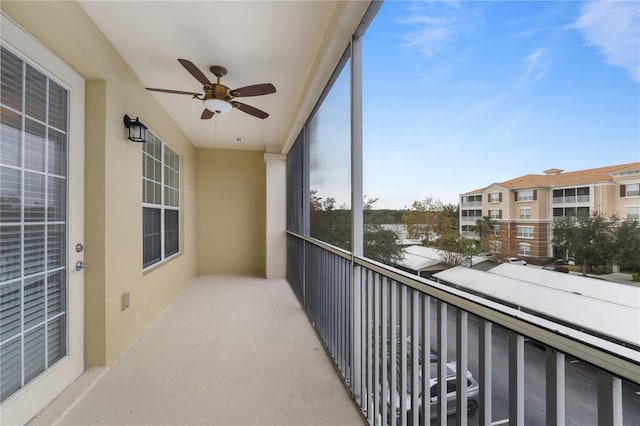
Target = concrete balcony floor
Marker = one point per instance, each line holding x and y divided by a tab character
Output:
228	350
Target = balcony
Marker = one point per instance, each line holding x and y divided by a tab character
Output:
470	219
471	204
240	350
571	199
228	350
563	375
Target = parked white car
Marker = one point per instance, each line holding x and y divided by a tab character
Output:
517	261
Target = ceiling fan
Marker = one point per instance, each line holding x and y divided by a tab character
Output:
218	98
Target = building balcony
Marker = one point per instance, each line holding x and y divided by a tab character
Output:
471	204
470	219
571	199
228	350
241	350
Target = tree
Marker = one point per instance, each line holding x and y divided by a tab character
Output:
429	218
627	244
484	229
379	243
456	249
333	225
590	238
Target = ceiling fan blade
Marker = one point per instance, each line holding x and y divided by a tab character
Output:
250	110
206	114
255	90
177	92
194	71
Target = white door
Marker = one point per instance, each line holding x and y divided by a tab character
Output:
41	222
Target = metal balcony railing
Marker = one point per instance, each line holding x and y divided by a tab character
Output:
571	199
470	218
401	343
471	204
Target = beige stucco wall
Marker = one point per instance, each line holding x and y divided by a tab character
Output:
230	188
113	195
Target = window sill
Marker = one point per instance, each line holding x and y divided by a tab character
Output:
157	265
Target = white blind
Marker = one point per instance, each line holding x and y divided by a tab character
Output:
33	199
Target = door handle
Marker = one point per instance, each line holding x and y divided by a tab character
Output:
80	265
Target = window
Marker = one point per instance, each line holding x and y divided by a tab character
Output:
495	230
329	133
472	200
633	213
630	190
525	249
495	214
525	231
495	246
160	201
525	213
495	197
583	194
526	195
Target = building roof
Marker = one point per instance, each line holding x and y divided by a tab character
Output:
420	258
553	300
621	294
600	174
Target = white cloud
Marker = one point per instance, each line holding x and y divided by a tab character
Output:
614	28
535	65
434	23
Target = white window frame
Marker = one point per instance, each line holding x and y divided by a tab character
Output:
527	211
495	213
525	249
525	195
162	206
495	246
632	193
494	197
495	230
528	234
635	215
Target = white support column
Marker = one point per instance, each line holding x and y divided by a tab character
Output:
276	226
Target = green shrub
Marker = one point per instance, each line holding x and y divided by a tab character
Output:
635	276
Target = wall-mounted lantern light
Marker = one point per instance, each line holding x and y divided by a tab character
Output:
137	130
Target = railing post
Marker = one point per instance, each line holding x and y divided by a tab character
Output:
462	349
403	355
376	347
384	355
555	388
485	342
609	399
415	364
442	363
394	352
426	358
516	379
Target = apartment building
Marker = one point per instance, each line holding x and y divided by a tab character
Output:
523	209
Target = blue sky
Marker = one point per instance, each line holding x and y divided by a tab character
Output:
461	94
458	95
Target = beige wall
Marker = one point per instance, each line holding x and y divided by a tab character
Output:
113	197
230	188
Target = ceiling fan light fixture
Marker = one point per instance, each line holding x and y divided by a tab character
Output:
218	106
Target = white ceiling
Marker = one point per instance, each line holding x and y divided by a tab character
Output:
292	44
